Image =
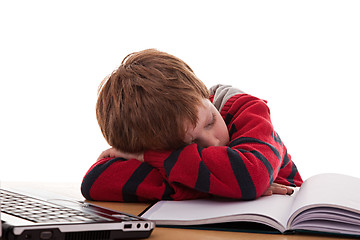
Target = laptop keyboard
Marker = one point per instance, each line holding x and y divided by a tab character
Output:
38	211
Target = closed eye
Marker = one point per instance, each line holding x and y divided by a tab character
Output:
213	120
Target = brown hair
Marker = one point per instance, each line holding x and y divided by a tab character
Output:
144	104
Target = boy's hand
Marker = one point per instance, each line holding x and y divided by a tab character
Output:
113	153
276	188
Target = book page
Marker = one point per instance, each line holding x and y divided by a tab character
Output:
204	211
326	190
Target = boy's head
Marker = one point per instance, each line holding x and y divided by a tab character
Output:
146	102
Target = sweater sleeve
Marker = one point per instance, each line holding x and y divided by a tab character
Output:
118	179
254	158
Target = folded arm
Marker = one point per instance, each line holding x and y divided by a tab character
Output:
243	170
118	179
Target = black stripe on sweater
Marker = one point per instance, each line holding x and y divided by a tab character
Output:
242	140
168	191
91	177
285	160
138	176
277	138
243	178
291	176
266	163
170	161
232	130
203	180
228	118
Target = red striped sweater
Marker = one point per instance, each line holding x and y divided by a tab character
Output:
254	158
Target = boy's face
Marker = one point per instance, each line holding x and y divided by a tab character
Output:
210	129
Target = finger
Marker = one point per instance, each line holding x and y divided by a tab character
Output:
268	193
282	189
290	191
279	190
100	157
104	154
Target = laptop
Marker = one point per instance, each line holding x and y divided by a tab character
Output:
24	216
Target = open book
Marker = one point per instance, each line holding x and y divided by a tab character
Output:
326	203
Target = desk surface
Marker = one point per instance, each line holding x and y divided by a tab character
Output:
71	190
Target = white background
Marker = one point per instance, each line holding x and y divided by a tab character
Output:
301	56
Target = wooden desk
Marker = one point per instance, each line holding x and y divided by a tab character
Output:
71	190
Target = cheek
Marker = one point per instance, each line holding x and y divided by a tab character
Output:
226	138
223	133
